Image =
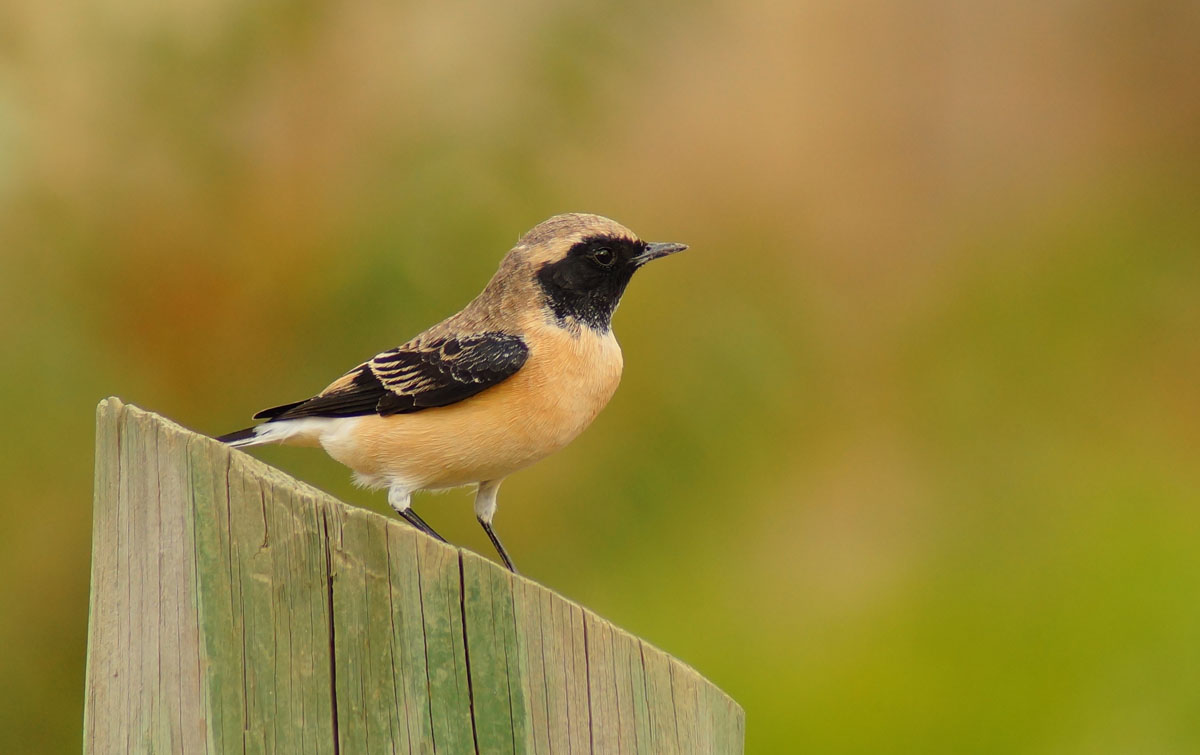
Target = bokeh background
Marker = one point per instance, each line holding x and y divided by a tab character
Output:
906	453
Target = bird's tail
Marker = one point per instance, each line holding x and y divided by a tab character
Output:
251	436
304	431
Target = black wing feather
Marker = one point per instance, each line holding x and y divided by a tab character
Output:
275	411
416	376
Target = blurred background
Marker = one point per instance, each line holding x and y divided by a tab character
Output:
906	453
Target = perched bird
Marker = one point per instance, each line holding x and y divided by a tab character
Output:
512	378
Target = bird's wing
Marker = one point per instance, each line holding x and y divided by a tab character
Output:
422	374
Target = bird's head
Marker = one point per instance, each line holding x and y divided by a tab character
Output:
582	263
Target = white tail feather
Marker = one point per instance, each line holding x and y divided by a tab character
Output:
281	431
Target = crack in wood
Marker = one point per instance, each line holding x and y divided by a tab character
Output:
462	605
333	693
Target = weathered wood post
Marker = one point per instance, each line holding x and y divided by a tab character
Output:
235	609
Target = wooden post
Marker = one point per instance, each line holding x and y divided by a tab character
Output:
235	609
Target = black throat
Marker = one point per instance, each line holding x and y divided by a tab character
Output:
577	289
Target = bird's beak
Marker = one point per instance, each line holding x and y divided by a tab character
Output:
654	251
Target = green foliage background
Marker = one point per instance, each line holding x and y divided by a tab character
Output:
905	457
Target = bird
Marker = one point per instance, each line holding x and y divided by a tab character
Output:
514	376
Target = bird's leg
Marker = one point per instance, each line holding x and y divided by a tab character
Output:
487	527
420	524
400	499
485	508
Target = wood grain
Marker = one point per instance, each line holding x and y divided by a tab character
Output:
235	609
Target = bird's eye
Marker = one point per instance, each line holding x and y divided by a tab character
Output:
604	257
